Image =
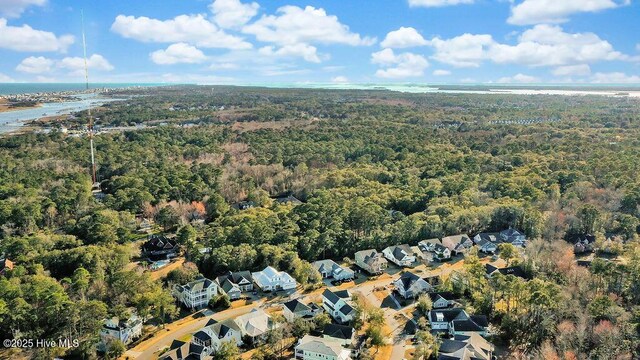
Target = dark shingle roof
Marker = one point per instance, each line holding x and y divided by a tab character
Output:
296	306
338	331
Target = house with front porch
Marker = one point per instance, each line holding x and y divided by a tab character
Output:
271	279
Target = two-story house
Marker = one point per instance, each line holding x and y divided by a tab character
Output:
371	261
125	330
338	305
442	300
197	293
235	283
456	321
410	285
296	309
215	333
317	348
457	244
271	279
401	255
513	237
486	242
329	269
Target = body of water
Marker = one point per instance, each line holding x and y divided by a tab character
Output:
13	120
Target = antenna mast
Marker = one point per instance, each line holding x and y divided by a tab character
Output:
94	178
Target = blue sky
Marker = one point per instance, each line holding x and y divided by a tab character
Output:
349	41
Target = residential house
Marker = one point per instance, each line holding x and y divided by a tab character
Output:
429	244
330	270
271	279
182	350
457	244
441	252
442	300
513	237
456	321
469	347
124	330
345	334
401	255
197	293
235	283
486	242
317	348
410	285
338	305
159	247
295	309
243	205
584	244
255	324
516	271
215	333
5	265
292	200
371	261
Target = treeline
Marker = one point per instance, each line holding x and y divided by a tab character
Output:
371	168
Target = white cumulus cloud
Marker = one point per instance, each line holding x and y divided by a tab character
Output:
615	78
305	51
530	12
440	72
191	29
35	65
76	64
26	38
519	78
229	14
437	3
294	25
572	70
178	53
340	80
404	37
5	78
396	66
15	8
542	45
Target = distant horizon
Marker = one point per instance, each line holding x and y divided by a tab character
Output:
254	41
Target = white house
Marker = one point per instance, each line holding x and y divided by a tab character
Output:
486	242
401	255
457	322
441	252
457	244
338	305
215	333
124	330
428	245
255	324
329	269
371	261
513	237
235	283
317	348
410	285
197	293
295	309
442	300
271	279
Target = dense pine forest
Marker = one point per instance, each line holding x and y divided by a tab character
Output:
372	169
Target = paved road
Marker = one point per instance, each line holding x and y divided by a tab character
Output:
180	328
164	338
